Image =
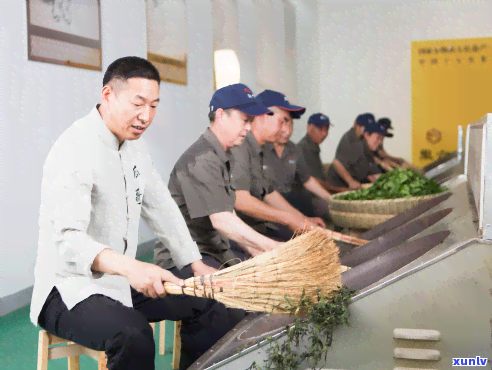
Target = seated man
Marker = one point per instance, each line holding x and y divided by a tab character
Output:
354	158
98	179
201	185
257	202
317	131
286	169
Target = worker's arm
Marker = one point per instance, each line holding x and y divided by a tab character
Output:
331	188
276	200
316	188
232	227
383	164
345	175
253	207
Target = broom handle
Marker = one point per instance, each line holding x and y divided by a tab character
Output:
345	238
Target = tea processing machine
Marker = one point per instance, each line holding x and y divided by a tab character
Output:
432	300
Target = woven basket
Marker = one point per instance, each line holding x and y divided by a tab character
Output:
357	220
377	207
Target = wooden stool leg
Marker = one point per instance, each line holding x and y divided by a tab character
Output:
43	343
177	345
102	362
73	363
162	337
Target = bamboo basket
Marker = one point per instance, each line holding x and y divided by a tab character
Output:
363	221
377	207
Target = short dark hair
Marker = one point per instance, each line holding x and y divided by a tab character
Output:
130	67
211	115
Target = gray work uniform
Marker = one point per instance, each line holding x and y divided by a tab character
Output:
356	157
311	154
200	184
286	171
248	174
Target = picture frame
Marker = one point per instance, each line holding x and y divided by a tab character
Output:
167	39
65	32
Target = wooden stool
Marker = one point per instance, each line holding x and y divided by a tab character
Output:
68	349
72	351
176	341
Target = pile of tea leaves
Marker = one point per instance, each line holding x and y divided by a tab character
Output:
396	184
314	329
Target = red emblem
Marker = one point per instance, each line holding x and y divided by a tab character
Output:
247	91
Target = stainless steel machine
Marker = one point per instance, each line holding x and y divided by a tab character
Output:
423	315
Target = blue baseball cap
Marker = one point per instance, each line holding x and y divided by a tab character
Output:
271	98
237	96
375	127
365	119
319	120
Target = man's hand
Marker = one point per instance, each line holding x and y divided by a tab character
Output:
148	279
373	178
316	222
354	185
200	269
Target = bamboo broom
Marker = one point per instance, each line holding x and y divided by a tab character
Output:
274	281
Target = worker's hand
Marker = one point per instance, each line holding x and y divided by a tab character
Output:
200	269
373	178
148	279
296	222
316	222
354	185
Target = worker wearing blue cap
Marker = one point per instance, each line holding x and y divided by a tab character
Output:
381	152
354	162
257	201
291	175
316	132
201	185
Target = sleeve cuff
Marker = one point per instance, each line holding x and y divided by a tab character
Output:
93	249
187	256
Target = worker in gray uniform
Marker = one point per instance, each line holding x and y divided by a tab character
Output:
257	202
354	159
316	132
290	174
381	152
200	184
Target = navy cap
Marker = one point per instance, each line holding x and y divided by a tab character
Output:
386	123
237	96
319	120
376	127
271	98
365	119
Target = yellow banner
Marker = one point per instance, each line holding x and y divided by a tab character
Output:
451	86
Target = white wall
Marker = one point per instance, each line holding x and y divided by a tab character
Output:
365	58
307	58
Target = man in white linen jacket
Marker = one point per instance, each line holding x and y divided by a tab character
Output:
98	180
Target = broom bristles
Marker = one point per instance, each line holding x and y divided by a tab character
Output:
274	281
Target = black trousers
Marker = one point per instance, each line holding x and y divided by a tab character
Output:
124	333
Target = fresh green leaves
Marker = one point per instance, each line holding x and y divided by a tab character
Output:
315	329
396	184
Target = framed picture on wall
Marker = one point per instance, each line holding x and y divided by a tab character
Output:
65	32
167	39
